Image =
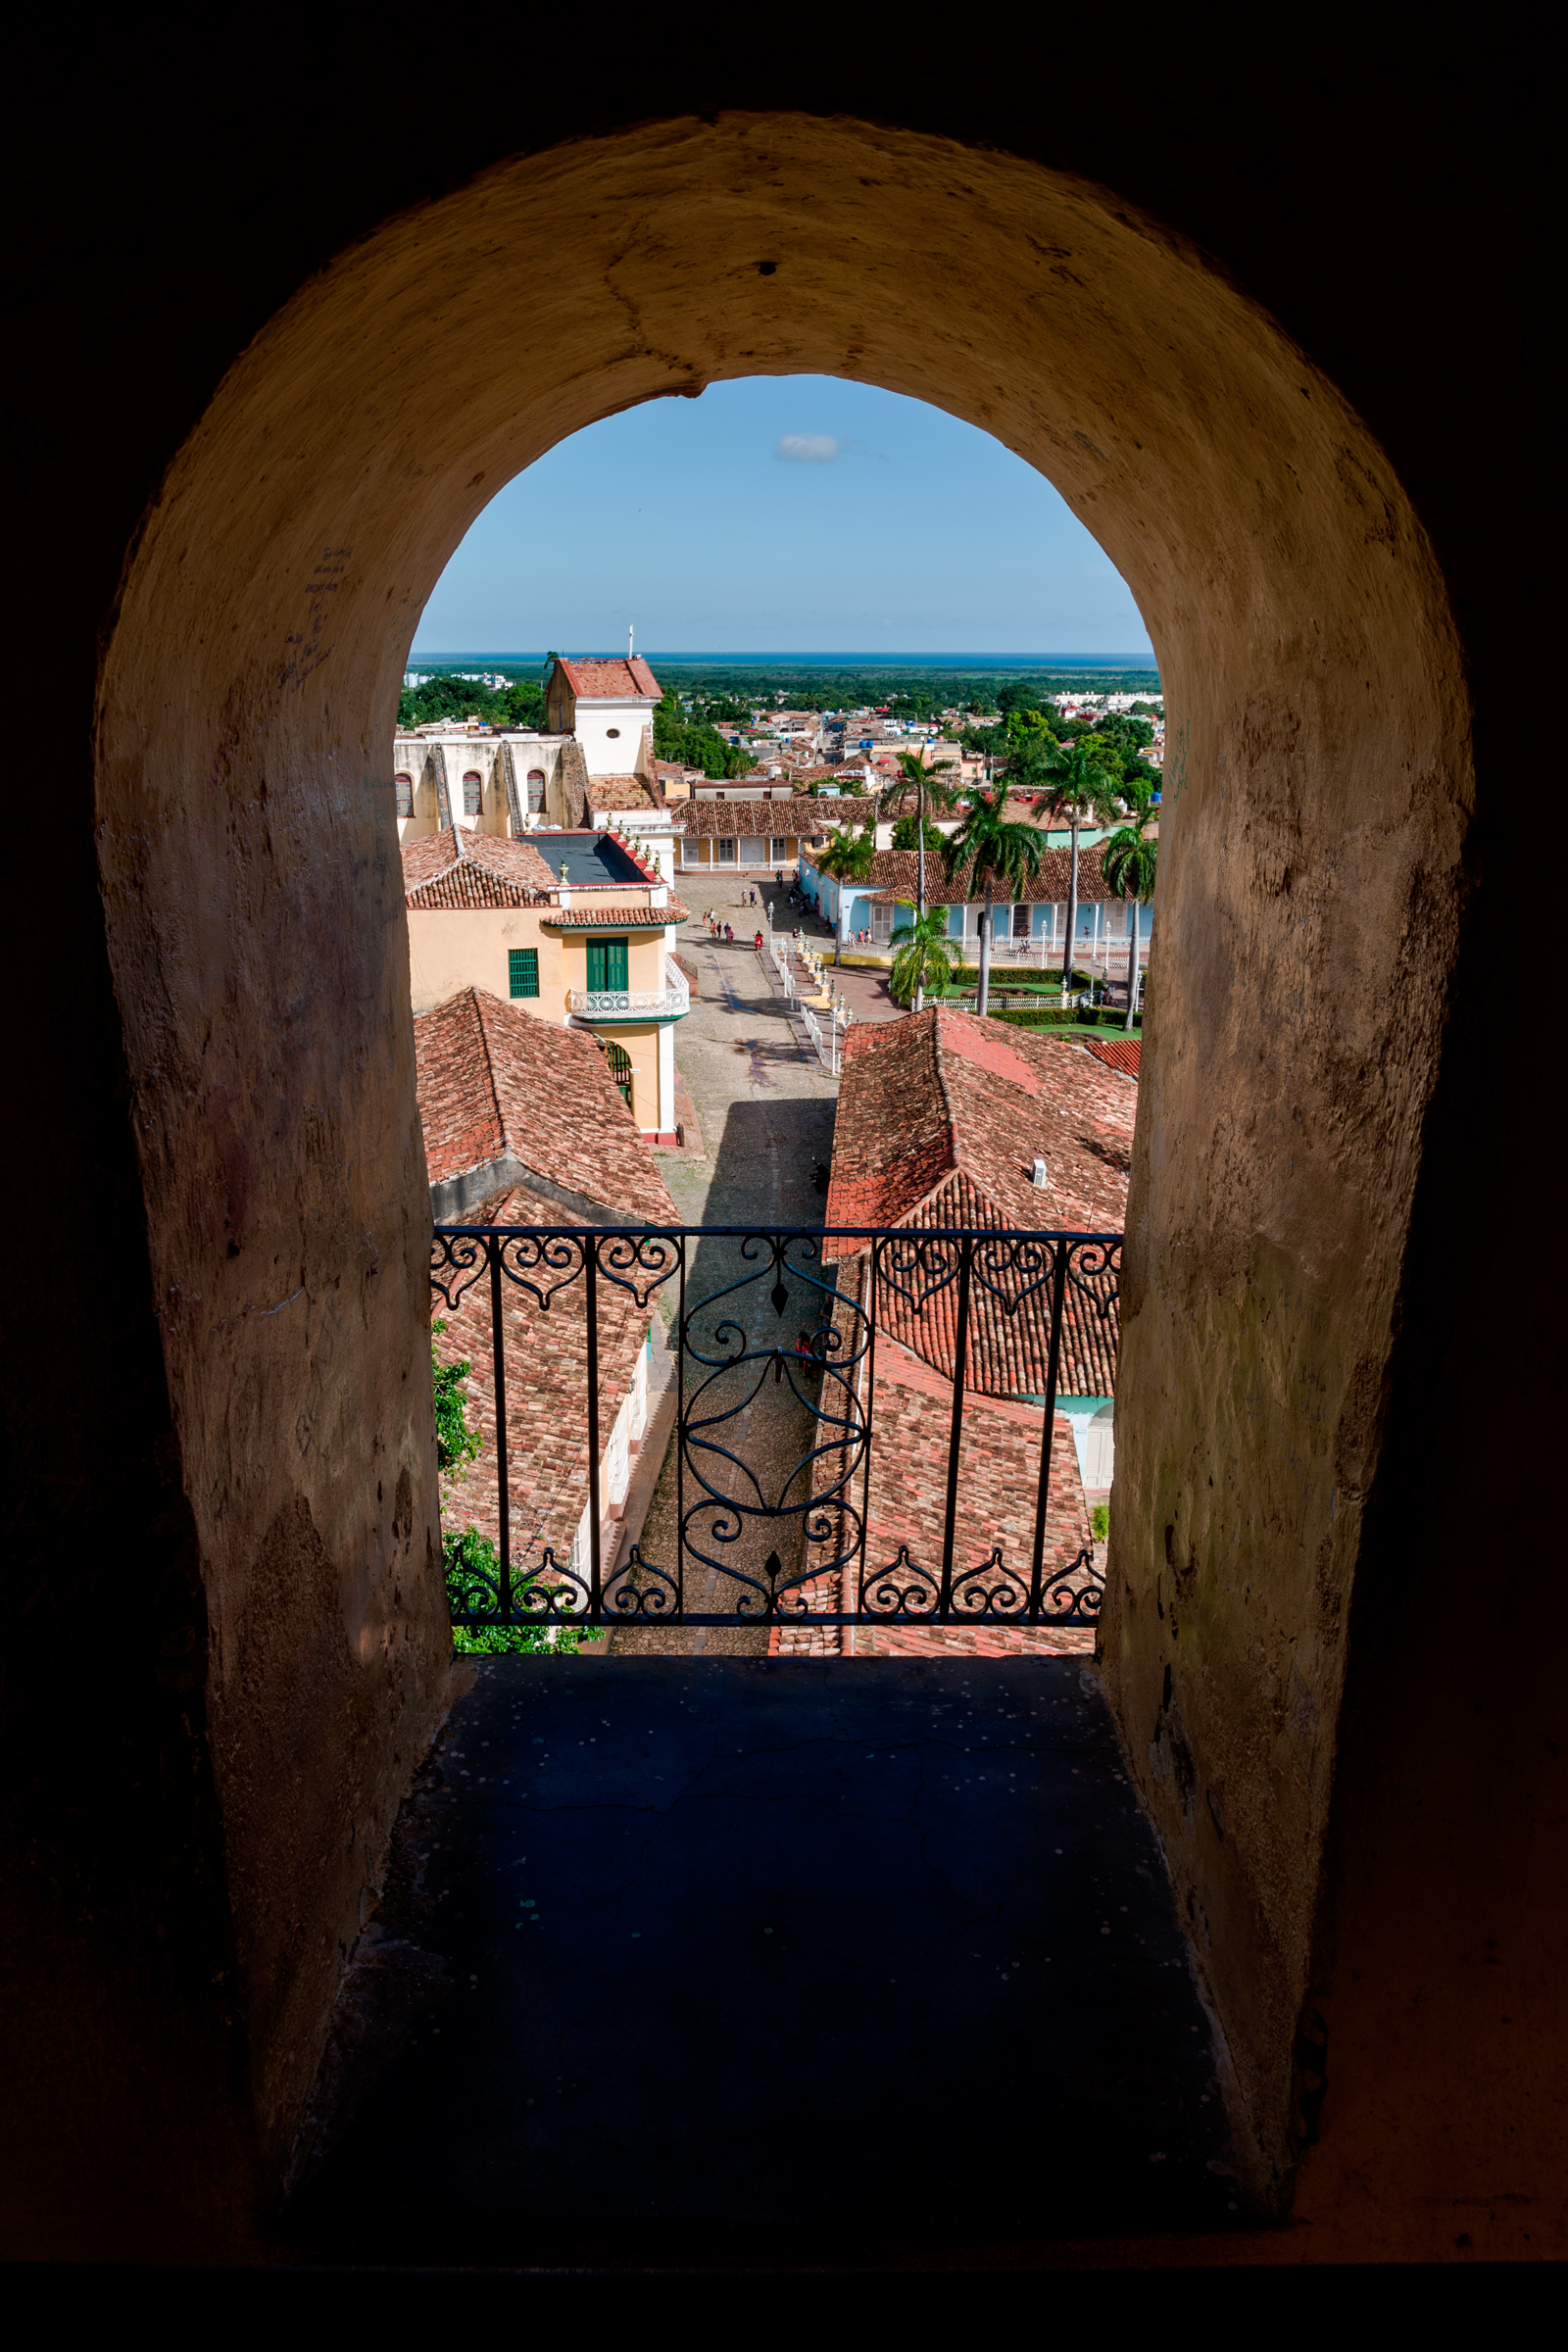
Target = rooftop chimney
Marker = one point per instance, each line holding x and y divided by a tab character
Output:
1041	1176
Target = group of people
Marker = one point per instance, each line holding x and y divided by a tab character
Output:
725	931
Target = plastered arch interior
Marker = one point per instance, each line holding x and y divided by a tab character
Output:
1317	790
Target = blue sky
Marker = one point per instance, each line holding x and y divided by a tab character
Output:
782	514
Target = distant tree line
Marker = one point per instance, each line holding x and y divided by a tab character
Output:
1025	737
906	690
446	695
696	743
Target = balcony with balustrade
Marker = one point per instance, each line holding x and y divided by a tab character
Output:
671	1002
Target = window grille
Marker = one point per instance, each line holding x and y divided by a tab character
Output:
724	850
522	971
536	791
472	794
780	850
405	792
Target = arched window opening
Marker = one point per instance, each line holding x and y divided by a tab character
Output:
1262	717
536	791
405	793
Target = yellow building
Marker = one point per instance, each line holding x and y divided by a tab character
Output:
576	928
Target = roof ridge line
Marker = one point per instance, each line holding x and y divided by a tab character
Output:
941	1089
478	995
431	879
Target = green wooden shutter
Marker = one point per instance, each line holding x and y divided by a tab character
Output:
596	964
615	963
522	971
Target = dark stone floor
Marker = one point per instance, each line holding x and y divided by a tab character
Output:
690	1958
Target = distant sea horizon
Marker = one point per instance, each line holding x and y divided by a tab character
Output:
1097	660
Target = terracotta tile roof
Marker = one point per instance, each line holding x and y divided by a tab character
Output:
456	867
492	1080
1116	1053
999	1474
623	918
799	816
616	793
612	681
893	877
940	1119
546	1356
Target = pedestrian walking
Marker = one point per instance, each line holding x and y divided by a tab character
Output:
759	943
729	935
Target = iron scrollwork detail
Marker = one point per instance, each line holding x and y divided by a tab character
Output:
784	1349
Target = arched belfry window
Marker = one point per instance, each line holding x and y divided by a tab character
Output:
405	792
536	791
472	794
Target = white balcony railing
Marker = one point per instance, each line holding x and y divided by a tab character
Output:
624	1004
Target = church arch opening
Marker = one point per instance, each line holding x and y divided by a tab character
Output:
1318	791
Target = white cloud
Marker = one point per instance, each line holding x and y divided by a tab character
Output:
809	449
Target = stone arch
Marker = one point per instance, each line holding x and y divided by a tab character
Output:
1319	787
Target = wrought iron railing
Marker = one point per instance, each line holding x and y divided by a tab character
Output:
825	1382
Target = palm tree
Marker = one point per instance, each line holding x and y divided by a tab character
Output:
921	958
917	772
1128	864
848	857
1000	850
1081	792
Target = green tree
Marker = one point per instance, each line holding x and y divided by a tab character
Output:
908	834
921	958
692	743
455	1441
472	1564
519	702
473	1567
1129	860
1000	853
1080	793
848	857
930	784
525	701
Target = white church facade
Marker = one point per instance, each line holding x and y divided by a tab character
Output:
592	766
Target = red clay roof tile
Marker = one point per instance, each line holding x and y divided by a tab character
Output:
609	681
457	867
1116	1053
777	819
894	879
940	1119
619	918
493	1080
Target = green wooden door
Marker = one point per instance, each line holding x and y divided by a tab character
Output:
607	963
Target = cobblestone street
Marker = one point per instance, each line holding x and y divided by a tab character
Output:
758	1111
